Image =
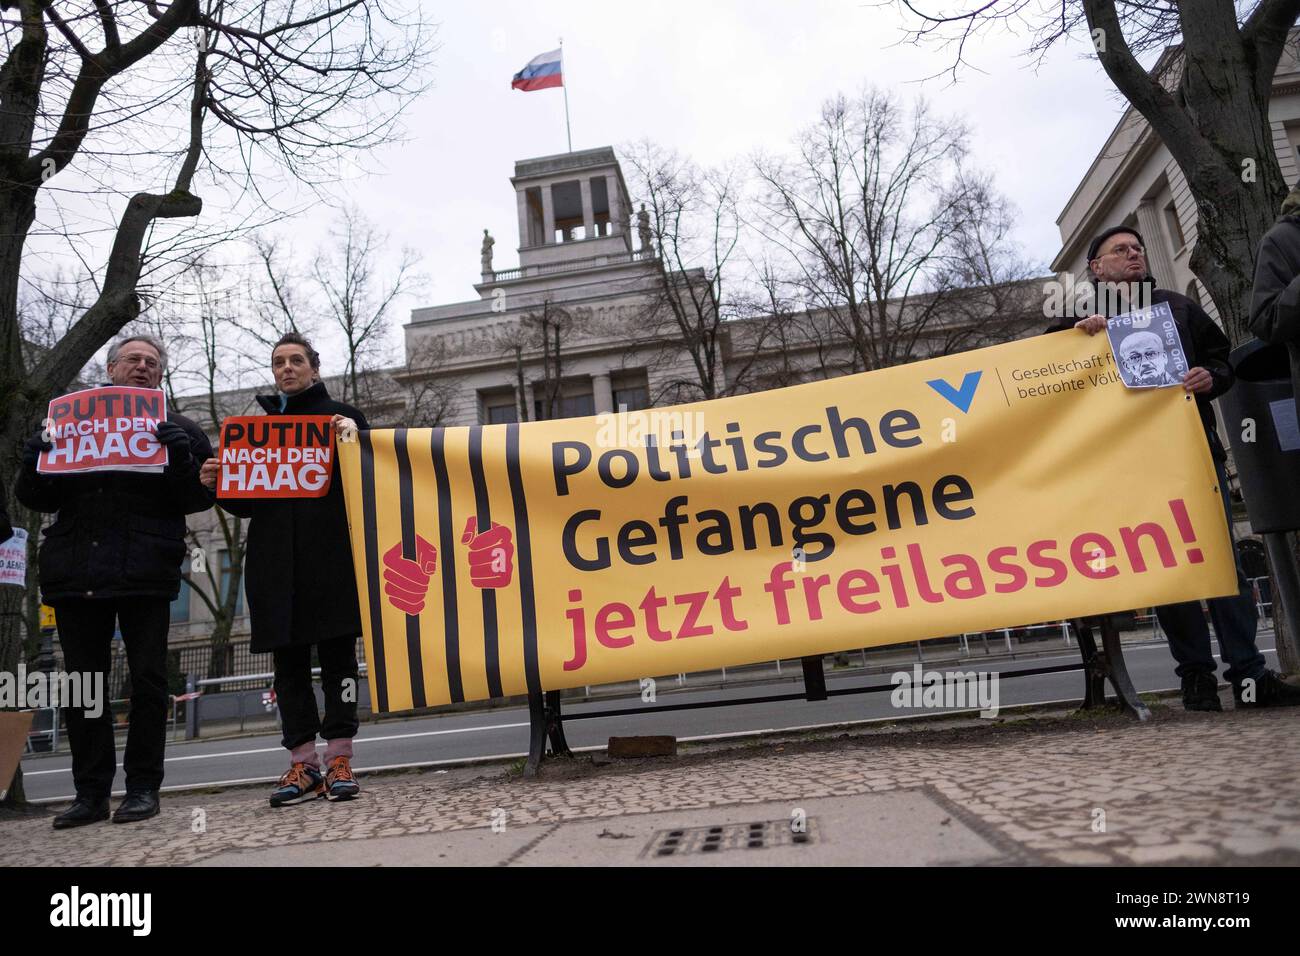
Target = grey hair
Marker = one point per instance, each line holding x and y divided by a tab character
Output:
116	347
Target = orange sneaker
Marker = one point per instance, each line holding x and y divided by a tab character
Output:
300	782
340	784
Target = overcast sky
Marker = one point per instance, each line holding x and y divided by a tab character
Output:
713	80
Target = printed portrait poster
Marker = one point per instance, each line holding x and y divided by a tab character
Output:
1147	348
276	456
13	559
113	428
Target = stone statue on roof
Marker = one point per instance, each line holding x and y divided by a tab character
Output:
643	228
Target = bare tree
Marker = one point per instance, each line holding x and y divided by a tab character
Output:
207	366
299	84
279	304
549	326
358	298
993	291
781	340
869	210
1206	98
695	231
428	391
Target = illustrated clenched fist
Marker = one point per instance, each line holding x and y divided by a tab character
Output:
491	555
406	580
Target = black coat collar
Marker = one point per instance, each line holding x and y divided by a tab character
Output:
310	396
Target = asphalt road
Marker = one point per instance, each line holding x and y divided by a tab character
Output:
503	732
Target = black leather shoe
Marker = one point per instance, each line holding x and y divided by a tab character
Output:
1201	691
137	805
83	810
1270	691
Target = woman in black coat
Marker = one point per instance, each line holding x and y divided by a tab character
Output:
302	591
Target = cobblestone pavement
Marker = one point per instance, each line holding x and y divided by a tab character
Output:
1191	788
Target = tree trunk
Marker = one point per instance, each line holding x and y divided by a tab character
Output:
225	617
1215	124
1232	220
18	399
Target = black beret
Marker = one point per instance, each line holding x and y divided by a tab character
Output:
1112	231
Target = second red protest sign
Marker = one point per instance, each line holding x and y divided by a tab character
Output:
281	456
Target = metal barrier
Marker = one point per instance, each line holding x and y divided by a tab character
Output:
194	691
52	733
1264	608
963	643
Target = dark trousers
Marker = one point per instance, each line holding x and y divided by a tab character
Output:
86	634
299	718
1235	621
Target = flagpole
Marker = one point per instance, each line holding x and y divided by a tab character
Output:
564	84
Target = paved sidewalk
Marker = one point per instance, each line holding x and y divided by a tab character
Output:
1186	788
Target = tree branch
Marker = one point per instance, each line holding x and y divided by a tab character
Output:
1141	89
111	38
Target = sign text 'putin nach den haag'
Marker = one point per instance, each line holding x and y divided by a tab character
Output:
276	456
110	428
994	488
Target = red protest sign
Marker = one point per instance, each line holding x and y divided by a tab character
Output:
105	429
279	456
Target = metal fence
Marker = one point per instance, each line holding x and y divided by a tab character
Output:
194	663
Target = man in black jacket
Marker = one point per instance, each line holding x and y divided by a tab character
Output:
302	591
113	558
1275	300
1117	257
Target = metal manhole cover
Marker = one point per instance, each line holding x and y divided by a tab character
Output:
758	835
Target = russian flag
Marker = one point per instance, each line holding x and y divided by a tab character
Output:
541	73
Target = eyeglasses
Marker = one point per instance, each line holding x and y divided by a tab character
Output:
1150	355
147	361
1123	251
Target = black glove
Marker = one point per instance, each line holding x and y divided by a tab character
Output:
177	440
33	447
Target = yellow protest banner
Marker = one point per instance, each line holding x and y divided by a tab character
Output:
1005	486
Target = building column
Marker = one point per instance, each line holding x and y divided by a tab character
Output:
522	203
548	216
529	410
602	392
618	210
1159	261
588	214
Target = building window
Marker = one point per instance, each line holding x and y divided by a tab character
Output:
223	579
1175	228
499	408
631	391
569	406
631	399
